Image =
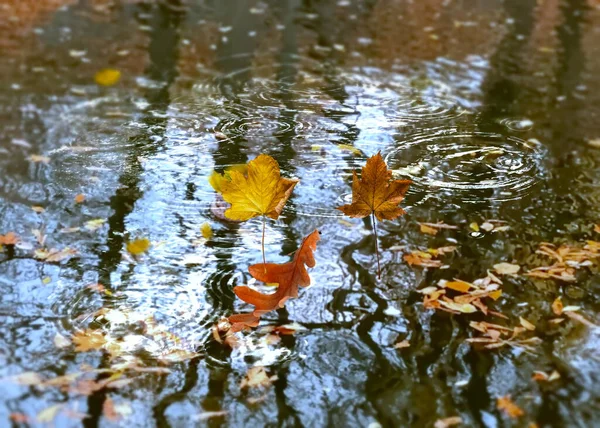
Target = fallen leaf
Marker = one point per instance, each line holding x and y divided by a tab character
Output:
138	246
487	226
507	268
53	255
349	148
461	286
79	198
526	324
107	77
428	229
88	340
9	239
289	276
109	411
474	226
48	415
26	378
95	224
39	159
261	192
506	405
209	415
448	422
557	306
376	192
597	228
206	230
217	180
60	341
595	143
38	209
257	377
403	344
19	418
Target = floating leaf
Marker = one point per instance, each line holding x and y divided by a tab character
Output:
39	159
79	198
94	224
526	324
289	276
403	344
448	422
261	192
9	239
376	192
138	246
506	405
507	268
53	255
107	77
46	416
557	306
206	230
428	229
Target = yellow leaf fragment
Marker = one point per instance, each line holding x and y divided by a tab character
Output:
349	148
94	224
38	209
206	230
261	192
107	77
428	229
138	246
474	226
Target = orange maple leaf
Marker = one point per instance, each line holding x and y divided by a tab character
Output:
289	276
375	192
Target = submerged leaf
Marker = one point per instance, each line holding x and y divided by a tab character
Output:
206	230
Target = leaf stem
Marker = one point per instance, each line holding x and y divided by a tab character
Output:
376	245
263	243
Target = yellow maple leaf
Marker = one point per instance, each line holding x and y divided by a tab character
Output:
216	180
138	246
107	77
261	192
375	192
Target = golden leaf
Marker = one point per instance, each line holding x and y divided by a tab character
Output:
261	192
508	407
88	340
107	77
206	230
138	246
216	180
376	192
